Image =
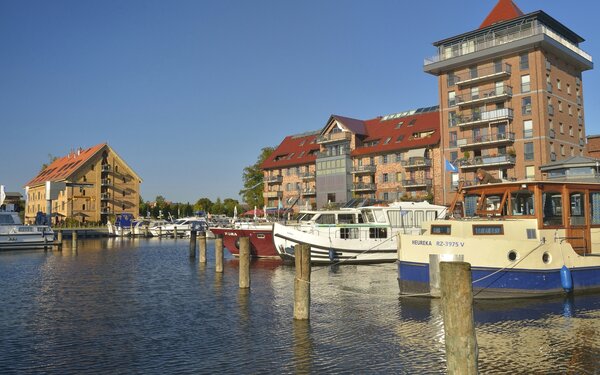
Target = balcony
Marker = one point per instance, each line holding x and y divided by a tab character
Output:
334	137
105	211
492	72
334	152
364	169
487	161
499	37
106	168
416	162
486	140
105	182
105	196
309	176
273	194
364	187
484	118
308	192
274	179
485	95
416	183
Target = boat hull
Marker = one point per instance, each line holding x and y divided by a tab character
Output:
330	249
261	241
30	241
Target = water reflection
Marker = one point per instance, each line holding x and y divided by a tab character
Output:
142	306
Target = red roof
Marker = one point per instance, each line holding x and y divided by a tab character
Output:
503	11
397	134
294	150
379	135
63	167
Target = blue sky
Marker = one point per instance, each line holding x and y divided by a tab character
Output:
188	92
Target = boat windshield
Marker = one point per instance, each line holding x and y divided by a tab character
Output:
306	217
7	220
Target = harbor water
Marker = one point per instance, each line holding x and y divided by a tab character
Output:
143	306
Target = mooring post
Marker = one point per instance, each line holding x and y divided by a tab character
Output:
146	231
219	254
193	234
74	239
202	249
59	238
175	232
302	282
457	310
244	262
159	232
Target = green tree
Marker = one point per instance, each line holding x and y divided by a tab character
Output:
217	207
229	205
252	194
160	201
203	204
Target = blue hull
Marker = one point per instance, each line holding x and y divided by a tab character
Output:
413	278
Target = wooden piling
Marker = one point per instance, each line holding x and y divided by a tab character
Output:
302	282
193	235
74	239
244	262
59	239
146	231
202	249
159	232
457	309
219	254
175	232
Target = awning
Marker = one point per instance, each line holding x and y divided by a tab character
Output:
415	153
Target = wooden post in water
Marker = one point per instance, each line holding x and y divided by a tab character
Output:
244	262
457	310
74	239
202	249
302	282
146	231
59	239
193	234
219	254
159	232
175	232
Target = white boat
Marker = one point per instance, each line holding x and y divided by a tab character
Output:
183	226
14	235
369	236
122	226
522	239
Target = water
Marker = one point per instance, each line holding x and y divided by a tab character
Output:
123	306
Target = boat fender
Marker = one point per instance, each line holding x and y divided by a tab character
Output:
332	255
565	279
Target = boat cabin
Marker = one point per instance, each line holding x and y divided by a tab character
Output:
571	208
349	216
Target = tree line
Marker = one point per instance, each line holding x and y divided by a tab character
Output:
177	209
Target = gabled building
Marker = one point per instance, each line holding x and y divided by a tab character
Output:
511	95
95	184
389	158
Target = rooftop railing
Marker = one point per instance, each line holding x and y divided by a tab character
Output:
500	37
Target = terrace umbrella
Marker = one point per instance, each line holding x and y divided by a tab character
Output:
255	217
265	211
235	213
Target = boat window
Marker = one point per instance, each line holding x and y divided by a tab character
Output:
360	219
377	232
326	219
521	202
577	208
419	216
431	215
552	201
346	219
595	207
471	205
407	218
348	233
492	203
441	229
368	216
379	216
489	229
395	218
6	219
306	217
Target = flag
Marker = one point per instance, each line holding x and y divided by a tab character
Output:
451	167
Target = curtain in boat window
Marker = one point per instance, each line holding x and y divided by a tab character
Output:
395	218
595	207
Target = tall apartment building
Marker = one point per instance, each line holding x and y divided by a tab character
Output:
389	158
96	183
511	96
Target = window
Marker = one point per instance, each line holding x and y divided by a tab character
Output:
398	157
526	105
562	150
560	108
529	151
524	61
530	172
452	119
558	84
570	110
474	93
385	177
595	207
384	159
521	202
387	140
377	232
525	83
452	142
561	128
326	219
451	99
528	129
568	89
348	233
571	131
483	230
452	79
577	208
386	196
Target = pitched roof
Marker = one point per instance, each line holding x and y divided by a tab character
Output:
62	168
390	133
294	150
503	11
352	124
